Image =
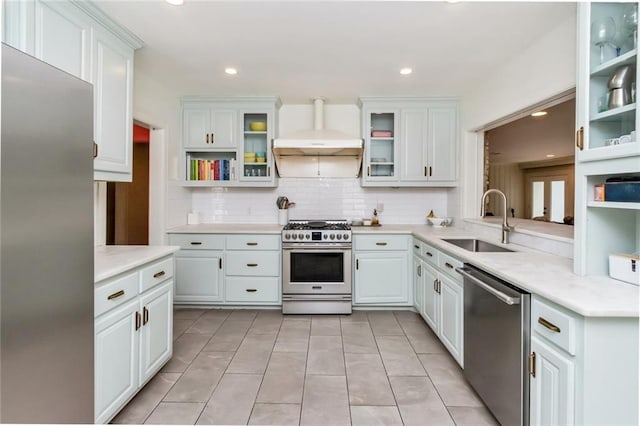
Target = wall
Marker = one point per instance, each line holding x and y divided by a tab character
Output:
317	198
542	70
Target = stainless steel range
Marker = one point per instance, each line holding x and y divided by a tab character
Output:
316	267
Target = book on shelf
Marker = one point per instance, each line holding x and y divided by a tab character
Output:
216	170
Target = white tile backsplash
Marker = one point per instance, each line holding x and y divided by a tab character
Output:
315	198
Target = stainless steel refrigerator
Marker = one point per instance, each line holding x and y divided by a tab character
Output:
46	251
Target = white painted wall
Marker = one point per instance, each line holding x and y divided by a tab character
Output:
542	70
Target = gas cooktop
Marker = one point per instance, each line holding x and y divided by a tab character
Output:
317	231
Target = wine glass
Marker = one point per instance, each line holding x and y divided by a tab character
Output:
602	32
630	22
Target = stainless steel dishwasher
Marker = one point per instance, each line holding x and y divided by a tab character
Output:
496	344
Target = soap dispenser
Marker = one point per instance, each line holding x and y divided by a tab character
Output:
374	219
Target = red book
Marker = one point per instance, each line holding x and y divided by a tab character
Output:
216	170
381	133
211	172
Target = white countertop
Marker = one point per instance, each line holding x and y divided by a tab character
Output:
227	228
540	273
113	260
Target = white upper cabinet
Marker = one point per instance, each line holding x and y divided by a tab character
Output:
79	38
410	142
607	145
209	127
606	104
112	107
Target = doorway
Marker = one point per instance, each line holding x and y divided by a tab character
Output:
549	194
128	202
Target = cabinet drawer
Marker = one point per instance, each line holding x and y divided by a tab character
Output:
252	289
115	293
448	264
417	247
430	254
381	242
553	324
197	241
253	263
156	273
253	242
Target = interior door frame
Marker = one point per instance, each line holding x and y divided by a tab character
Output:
548	174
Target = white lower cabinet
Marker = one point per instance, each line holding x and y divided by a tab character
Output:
156	332
552	386
116	360
133	335
418	284
451	316
582	370
240	269
199	276
442	297
381	274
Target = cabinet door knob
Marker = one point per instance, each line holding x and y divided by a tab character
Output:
357	263
415	246
430	174
220	263
207	137
213	137
145	315
137	320
425	170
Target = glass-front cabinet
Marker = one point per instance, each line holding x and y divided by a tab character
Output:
607	146
607	74
227	141
381	145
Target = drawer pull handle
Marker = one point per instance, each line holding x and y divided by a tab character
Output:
158	274
548	325
429	254
448	265
252	265
316	287
251	290
252	244
137	320
196	243
381	244
207	137
116	295
415	246
419	270
145	315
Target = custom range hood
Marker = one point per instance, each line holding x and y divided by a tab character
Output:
319	152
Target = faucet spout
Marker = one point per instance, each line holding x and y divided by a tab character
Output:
505	222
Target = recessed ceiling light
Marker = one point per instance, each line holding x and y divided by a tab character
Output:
406	71
539	113
550	155
175	2
231	71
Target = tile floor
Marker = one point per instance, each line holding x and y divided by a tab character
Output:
240	367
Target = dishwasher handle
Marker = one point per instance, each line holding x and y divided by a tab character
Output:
497	293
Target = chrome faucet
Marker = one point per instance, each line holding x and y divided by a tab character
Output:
505	223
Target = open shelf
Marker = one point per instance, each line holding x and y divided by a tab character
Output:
613	205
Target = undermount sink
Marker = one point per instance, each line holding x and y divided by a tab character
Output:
479	246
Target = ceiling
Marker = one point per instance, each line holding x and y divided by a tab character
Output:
533	138
338	50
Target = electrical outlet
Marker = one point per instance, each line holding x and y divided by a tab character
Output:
380	206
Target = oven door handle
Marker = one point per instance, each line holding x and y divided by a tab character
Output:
317	249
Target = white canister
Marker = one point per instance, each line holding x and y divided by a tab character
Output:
283	216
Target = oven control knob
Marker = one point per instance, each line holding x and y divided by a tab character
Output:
287	236
294	236
339	236
346	237
332	236
306	236
301	236
324	236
